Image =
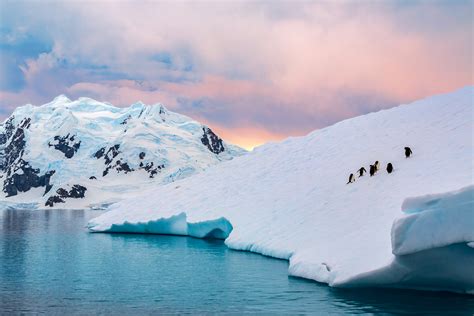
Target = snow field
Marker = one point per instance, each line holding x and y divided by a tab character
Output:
290	199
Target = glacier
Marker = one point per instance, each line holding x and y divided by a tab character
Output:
89	154
412	228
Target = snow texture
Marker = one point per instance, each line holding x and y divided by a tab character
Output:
112	152
290	200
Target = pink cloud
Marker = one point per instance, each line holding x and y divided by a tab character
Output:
274	69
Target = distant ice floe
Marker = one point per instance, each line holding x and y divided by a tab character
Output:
219	228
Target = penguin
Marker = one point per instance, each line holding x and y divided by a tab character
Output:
408	152
389	167
361	171
351	178
376	166
372	170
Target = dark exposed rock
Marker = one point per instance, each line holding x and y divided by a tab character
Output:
77	192
25	123
123	166
212	141
66	145
52	200
20	176
112	153
3	138
62	192
24	178
13	151
9	128
92	178
15	148
100	153
109	156
126	120
119	166
48	185
152	171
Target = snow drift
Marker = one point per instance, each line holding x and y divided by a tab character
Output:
290	200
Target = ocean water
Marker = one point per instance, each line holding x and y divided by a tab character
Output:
50	264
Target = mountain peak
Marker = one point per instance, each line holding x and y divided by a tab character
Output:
66	147
60	99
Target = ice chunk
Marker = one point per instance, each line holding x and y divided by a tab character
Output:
219	228
436	221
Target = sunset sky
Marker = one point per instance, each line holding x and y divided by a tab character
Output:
253	71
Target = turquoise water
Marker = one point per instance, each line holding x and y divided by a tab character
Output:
50	264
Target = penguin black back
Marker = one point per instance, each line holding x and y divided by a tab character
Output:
372	170
351	178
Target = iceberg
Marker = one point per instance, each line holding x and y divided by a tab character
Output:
412	228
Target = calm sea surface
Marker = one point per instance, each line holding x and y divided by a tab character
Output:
50	264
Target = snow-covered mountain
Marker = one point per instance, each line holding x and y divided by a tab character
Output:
290	200
86	153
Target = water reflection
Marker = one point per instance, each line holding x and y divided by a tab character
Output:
14	242
400	301
50	264
14	232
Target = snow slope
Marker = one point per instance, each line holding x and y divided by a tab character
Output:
83	153
290	200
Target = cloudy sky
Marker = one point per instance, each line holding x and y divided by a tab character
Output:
253	71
